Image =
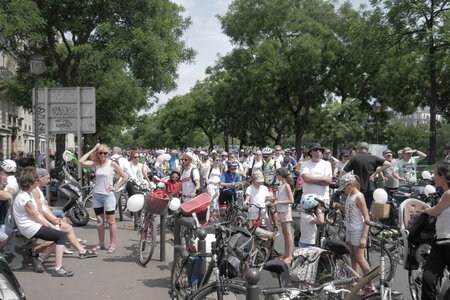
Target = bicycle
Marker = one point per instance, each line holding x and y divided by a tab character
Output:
385	291
155	204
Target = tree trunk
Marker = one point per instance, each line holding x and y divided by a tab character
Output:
432	104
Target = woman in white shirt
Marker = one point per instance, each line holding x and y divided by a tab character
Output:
33	225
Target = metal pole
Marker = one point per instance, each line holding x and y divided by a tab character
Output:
79	137
252	289
162	236
36	123
47	142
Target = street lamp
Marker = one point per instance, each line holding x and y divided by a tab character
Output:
37	66
376	109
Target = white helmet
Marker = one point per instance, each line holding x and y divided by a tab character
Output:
9	166
267	151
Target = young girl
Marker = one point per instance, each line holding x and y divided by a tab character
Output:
356	230
283	204
173	183
257	194
309	218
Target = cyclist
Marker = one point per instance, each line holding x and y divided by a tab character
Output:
213	182
269	168
316	174
356	230
439	257
190	177
255	163
278	155
310	217
173	183
405	168
228	182
257	194
390	182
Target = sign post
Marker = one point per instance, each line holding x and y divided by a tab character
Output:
66	110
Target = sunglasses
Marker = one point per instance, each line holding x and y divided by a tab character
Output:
278	150
184	159
316	149
175	177
135	156
103	153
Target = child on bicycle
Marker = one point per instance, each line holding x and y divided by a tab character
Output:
356	213
309	218
257	194
283	204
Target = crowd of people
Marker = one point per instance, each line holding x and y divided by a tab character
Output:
269	177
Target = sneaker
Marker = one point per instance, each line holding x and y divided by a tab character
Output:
62	272
37	265
367	290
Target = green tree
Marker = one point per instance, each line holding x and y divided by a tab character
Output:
83	41
418	38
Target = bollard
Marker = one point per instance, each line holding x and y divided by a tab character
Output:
201	248
252	289
162	236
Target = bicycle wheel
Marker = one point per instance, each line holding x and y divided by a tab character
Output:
415	283
373	258
147	240
213	291
179	277
259	257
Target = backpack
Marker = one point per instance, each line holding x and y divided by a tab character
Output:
235	249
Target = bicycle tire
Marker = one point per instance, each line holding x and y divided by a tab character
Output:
373	258
179	277
259	257
147	240
210	291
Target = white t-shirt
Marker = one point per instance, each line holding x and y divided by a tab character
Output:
214	175
318	169
189	186
282	196
308	230
136	171
12	183
257	197
26	225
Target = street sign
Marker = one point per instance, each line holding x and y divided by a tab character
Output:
67	109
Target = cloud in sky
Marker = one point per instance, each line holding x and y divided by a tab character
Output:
206	37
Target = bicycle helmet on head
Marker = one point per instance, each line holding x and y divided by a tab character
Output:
232	164
267	151
308	202
9	166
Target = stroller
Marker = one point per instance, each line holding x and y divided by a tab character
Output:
417	245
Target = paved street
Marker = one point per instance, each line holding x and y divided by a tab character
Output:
119	275
109	276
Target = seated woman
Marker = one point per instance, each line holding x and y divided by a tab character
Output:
5	231
45	211
33	225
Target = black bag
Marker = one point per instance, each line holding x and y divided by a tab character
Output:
422	229
337	246
236	249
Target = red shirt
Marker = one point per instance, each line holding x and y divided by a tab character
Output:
171	187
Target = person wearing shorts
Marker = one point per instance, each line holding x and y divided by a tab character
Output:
103	199
285	199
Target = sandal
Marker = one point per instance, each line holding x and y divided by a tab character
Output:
87	254
112	249
99	247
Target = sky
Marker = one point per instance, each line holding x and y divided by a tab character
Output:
205	36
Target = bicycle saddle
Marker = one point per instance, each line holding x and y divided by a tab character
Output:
275	266
188	222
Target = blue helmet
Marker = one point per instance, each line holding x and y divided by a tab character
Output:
232	163
308	202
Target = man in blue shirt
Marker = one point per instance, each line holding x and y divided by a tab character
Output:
228	182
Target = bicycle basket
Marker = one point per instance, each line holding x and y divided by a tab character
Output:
157	202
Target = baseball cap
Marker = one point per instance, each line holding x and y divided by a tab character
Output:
258	176
327	151
41	172
346	179
407	150
387	151
363	145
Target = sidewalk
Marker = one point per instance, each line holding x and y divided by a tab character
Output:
108	276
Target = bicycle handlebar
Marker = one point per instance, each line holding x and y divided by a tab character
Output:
377	225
